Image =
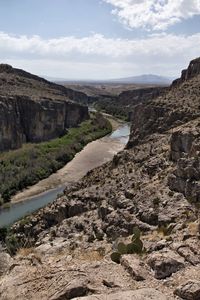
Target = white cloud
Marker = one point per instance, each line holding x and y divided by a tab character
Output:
154	14
96	56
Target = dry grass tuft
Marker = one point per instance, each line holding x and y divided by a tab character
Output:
25	251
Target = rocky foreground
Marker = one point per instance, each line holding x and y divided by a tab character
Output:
154	185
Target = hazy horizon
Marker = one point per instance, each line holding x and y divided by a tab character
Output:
100	39
103	80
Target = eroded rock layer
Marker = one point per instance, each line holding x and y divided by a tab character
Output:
33	109
154	185
178	106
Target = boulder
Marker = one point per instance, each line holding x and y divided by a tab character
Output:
149	216
5	262
135	267
164	264
190	290
76	288
189	254
104	210
180	143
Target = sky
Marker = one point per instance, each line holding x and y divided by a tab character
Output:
99	39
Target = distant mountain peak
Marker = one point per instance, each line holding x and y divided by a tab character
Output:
145	79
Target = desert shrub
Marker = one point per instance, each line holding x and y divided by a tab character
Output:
3	233
135	247
33	162
12	244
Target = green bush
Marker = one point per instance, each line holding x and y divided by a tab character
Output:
33	162
12	244
136	246
3	233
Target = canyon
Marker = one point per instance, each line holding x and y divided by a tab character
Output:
63	251
117	99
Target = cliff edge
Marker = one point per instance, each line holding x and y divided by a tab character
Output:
154	186
176	107
33	109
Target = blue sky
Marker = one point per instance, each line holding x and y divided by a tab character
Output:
99	39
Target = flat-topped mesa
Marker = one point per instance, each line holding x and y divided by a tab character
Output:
192	71
33	109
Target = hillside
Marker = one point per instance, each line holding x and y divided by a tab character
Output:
117	99
153	186
178	106
33	109
17	82
103	88
122	105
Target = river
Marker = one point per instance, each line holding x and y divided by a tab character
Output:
93	155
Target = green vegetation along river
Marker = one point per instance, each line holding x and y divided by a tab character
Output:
28	165
94	154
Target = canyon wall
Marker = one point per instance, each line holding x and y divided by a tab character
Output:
35	110
178	106
154	185
192	71
123	104
24	120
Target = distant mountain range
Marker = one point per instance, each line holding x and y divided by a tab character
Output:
145	79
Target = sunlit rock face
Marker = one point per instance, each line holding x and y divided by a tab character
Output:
33	109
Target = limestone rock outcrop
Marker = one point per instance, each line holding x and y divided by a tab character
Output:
5	262
124	103
164	264
192	71
152	185
184	151
189	290
33	109
178	106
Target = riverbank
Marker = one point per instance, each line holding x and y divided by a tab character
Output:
32	163
93	155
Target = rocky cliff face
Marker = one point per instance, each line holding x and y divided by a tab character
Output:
176	107
118	99
141	95
154	185
130	99
192	71
34	110
184	151
123	104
